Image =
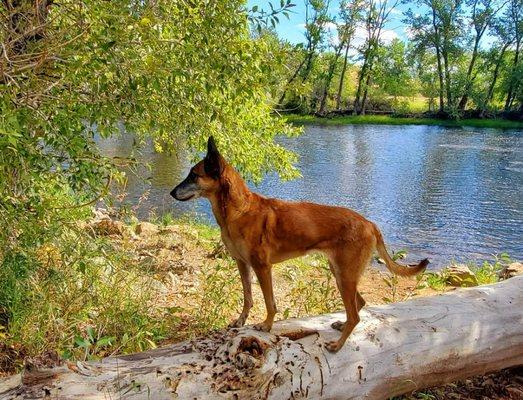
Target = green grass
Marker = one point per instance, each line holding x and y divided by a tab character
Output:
390	120
483	274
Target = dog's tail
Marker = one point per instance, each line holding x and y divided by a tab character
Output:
402	270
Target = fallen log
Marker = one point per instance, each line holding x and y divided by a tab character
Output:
395	349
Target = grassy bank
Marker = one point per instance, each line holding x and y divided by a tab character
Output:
391	120
113	286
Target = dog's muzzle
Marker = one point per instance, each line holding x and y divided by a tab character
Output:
185	191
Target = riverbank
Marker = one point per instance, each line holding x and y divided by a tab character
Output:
391	120
135	285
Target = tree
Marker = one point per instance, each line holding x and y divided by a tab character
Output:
171	70
439	28
350	15
393	73
495	57
316	19
377	15
514	19
482	15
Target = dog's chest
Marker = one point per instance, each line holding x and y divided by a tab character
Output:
235	247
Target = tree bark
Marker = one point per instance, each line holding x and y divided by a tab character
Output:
447	73
437	45
342	77
510	93
328	79
395	349
493	81
468	84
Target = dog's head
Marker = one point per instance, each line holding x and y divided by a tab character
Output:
203	178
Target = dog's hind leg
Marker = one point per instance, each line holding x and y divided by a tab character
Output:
348	294
338	325
246	275
347	266
264	274
360	300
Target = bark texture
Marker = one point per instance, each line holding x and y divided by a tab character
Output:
395	349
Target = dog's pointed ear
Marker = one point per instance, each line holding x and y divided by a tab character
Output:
213	162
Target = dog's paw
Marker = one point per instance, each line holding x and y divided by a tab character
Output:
237	323
333	346
263	326
338	325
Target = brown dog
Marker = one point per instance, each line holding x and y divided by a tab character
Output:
259	232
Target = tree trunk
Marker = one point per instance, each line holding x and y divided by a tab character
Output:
493	81
362	76
510	93
470	79
328	79
440	76
363	105
308	66
447	75
291	79
395	349
437	45
342	77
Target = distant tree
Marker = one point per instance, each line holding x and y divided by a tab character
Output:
316	19
377	14
393	71
483	13
513	18
494	60
349	16
439	28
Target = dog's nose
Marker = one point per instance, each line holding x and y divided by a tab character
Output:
173	193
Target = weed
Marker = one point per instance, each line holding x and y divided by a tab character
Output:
312	287
89	297
489	272
166	219
436	280
486	273
220	295
82	297
391	280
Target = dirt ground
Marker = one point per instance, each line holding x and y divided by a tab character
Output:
177	254
193	251
506	384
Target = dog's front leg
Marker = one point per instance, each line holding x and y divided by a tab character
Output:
246	275
264	275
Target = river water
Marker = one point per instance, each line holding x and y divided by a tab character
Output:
445	193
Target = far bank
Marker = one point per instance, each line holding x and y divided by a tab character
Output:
391	120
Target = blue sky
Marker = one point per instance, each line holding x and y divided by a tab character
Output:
292	29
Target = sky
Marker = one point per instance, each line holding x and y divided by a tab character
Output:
292	29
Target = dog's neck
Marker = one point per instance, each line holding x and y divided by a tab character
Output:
233	198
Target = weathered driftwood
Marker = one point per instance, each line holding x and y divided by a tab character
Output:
395	349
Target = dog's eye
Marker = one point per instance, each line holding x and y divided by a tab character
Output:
193	175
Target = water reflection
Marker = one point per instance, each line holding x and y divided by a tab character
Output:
445	193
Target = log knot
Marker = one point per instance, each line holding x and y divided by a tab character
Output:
252	345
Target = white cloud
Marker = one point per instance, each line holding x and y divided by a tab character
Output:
388	36
331	26
360	36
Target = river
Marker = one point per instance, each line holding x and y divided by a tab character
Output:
444	193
